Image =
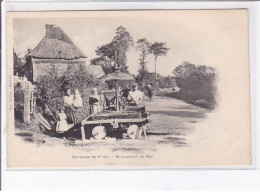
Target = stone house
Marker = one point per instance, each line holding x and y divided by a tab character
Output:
57	50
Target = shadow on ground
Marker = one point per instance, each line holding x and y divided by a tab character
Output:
175	141
183	114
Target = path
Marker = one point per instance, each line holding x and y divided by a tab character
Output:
170	115
172	121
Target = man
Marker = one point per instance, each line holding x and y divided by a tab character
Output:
125	92
124	95
135	96
149	91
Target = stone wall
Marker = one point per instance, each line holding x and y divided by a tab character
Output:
45	66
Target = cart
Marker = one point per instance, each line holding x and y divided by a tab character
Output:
109	123
116	118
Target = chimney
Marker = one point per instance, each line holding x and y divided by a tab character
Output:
48	27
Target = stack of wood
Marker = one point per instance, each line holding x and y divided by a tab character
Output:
45	115
44	124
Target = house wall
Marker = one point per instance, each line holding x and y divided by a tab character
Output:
45	66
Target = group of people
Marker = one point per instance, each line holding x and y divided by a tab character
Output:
67	115
72	102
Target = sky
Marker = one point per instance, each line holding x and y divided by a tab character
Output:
194	36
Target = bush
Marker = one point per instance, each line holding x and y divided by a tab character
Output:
76	77
18	103
144	78
196	83
149	78
166	82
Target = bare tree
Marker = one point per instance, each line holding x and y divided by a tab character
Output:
158	49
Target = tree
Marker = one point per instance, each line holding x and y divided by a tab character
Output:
166	82
184	70
104	62
143	45
158	49
120	44
53	86
17	62
107	51
196	83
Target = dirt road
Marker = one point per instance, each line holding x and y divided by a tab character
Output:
171	121
173	117
173	124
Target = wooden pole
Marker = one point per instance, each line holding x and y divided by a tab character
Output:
83	136
155	70
31	99
116	69
26	110
117	108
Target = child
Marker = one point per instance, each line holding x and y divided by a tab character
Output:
77	102
62	125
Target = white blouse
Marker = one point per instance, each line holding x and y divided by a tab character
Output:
68	100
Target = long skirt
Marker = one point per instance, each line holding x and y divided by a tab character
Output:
94	108
71	116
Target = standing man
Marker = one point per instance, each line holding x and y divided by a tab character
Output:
124	94
149	91
135	96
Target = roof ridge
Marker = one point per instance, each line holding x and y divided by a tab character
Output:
55	32
56	45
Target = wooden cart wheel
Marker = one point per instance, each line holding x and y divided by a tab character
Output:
133	131
99	132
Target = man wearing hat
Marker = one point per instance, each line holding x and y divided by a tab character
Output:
135	96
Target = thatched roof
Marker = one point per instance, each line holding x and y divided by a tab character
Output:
95	70
56	45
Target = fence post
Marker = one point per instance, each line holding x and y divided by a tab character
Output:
26	113
31	100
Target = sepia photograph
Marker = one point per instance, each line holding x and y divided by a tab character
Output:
97	89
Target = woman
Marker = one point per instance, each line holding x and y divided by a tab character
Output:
94	102
69	109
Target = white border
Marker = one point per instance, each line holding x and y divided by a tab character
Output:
162	179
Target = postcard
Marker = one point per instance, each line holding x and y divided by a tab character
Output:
128	89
